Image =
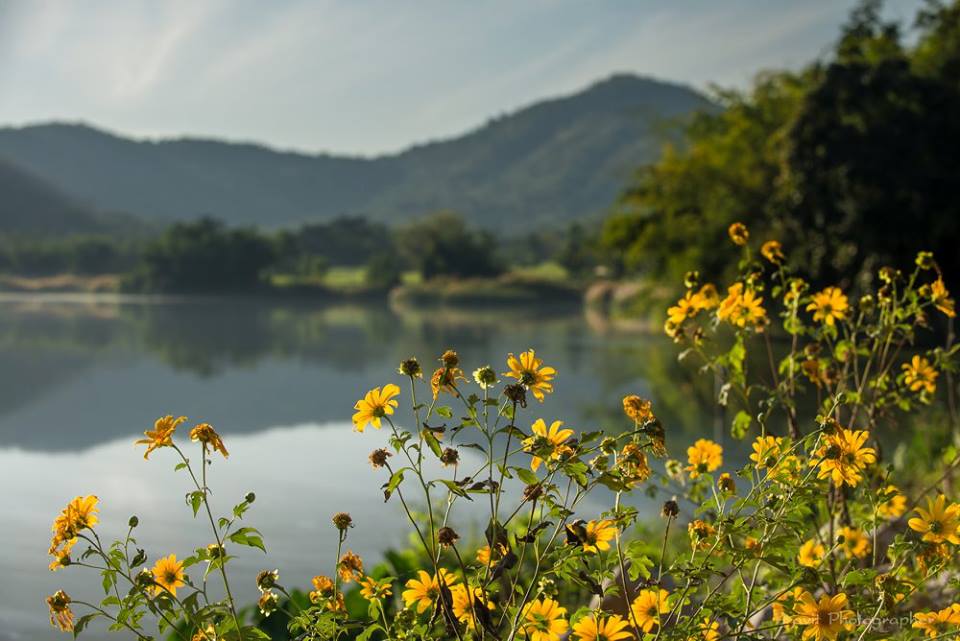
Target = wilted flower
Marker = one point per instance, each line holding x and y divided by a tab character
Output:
449	457
61	616
446	536
670	509
378	457
350	567
204	433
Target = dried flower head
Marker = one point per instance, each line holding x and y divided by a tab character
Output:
532	492
670	509
342	521
449	457
378	458
450	359
447	536
411	367
516	393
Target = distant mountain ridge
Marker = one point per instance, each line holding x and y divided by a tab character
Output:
552	162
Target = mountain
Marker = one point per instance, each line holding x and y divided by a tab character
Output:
30	206
551	162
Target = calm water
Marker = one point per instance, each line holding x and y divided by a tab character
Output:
83	378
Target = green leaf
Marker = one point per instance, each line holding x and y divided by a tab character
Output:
248	536
444	411
741	424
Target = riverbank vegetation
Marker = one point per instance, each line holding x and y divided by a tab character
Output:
825	533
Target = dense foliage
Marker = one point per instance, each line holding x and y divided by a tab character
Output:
843	156
818	535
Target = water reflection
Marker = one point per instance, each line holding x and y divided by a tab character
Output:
78	374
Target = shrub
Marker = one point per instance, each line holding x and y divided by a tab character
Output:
813	538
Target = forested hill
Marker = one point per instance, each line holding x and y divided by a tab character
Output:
549	163
29	206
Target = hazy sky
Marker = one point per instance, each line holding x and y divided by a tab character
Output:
366	76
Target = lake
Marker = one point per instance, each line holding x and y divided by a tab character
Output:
84	377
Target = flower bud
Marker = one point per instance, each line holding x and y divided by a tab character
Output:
133	522
516	393
670	509
250	497
485	377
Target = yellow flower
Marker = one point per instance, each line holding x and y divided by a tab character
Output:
703	456
686	307
919	375
772	250
372	589
598	535
350	567
766	451
937	624
843	458
939	523
322	588
542	438
79	514
783	606
738	234
727	484
811	554
425	590
941	298
855	545
543	620
707	297
161	435
530	372
205	434
483	554
700	534
648	606
633	464
375	405
168	574
893	504
466	602
638	409
594	628
61	616
709	631
742	308
823	619
208	634
829	306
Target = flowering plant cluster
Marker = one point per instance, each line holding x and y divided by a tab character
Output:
810	538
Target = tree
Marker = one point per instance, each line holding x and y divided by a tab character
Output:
205	256
441	244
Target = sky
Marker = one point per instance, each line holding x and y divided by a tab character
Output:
365	77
